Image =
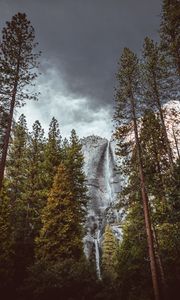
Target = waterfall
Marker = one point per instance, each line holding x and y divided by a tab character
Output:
97	256
108	173
103	185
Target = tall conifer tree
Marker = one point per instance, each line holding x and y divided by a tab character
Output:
157	87
127	100
17	160
74	162
61	235
109	253
53	152
17	67
35	190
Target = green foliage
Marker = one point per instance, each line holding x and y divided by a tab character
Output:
133	263
6	242
35	188
53	152
17	161
74	162
61	233
155	155
17	60
109	253
69	279
127	106
16	183
170	32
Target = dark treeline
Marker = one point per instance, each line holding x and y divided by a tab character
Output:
43	193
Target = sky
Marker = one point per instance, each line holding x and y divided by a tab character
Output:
81	42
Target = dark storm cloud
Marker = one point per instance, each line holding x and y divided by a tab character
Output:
83	39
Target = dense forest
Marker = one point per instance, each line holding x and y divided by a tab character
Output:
43	188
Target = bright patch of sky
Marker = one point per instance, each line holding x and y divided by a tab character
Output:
70	111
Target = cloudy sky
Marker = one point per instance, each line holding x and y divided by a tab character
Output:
81	42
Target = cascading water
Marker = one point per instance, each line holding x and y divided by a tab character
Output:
108	173
96	243
103	185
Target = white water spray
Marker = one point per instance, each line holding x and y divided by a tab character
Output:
96	243
108	174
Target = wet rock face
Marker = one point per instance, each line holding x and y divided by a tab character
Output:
103	183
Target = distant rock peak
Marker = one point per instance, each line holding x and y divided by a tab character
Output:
93	139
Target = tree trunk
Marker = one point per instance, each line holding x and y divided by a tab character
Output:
6	139
9	125
159	262
145	200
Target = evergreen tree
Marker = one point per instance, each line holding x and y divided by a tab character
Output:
17	67
65	147
127	99
61	234
164	217
17	161
157	87
155	158
16	185
36	193
53	152
74	162
168	226
109	253
7	268
133	261
156	170
170	32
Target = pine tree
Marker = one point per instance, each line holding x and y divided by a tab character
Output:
17	67
156	169
74	162
17	160
127	99
16	185
168	233
61	235
7	268
109	253
170	32
65	147
133	262
155	157
53	152
157	87
36	193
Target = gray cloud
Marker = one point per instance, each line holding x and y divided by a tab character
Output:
82	40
